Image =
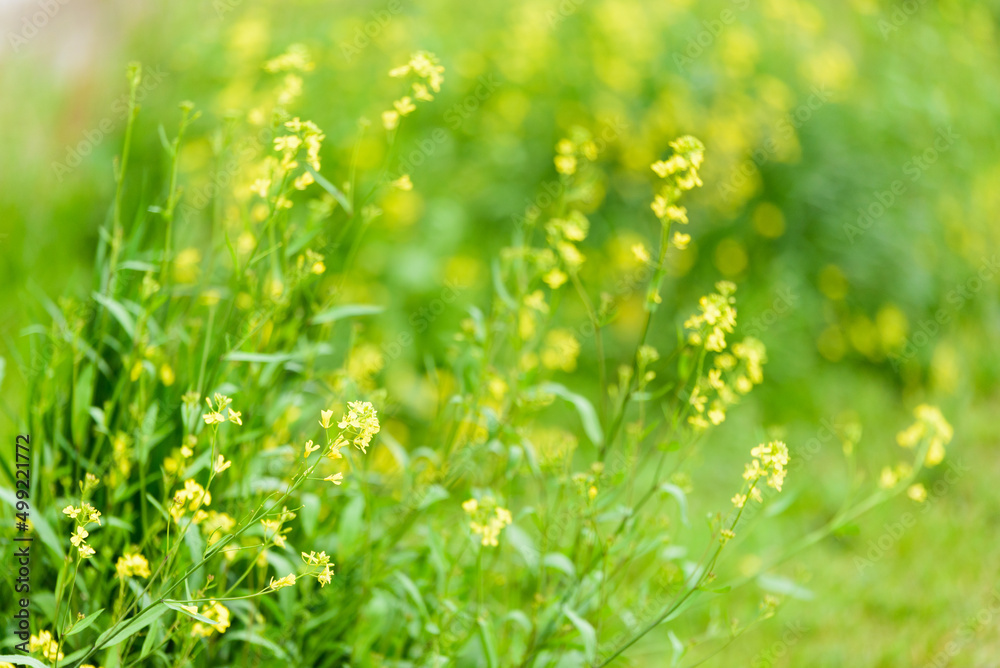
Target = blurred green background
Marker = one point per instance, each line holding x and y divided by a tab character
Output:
852	184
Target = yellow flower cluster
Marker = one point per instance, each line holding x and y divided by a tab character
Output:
362	419
47	645
131	565
569	150
733	374
192	498
215	611
680	173
488	519
215	525
274	527
295	59
716	319
320	560
563	234
425	67
303	135
932	426
560	350
214	414
770	461
83	515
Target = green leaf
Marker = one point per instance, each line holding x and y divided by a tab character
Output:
345	311
179	607
489	646
677	493
588	416
332	189
238	356
18	660
83	395
84	623
412	591
586	632
781	585
560	562
149	644
500	288
119	312
255	639
116	634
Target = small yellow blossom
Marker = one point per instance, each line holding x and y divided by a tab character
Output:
336	478
130	565
641	253
917	492
216	612
287	581
404	106
403	183
221	464
390	119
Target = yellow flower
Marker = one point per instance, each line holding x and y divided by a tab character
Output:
565	164
363	420
78	537
917	492
86	551
404	105
336	478
681	240
310	448
260	187
286	581
234	417
403	183
221	464
390	120
132	565
640	253
555	278
325	418
216	612
560	350
47	645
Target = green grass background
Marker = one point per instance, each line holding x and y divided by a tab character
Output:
889	78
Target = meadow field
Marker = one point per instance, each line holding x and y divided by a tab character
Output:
545	333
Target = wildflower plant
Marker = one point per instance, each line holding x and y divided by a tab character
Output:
230	537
